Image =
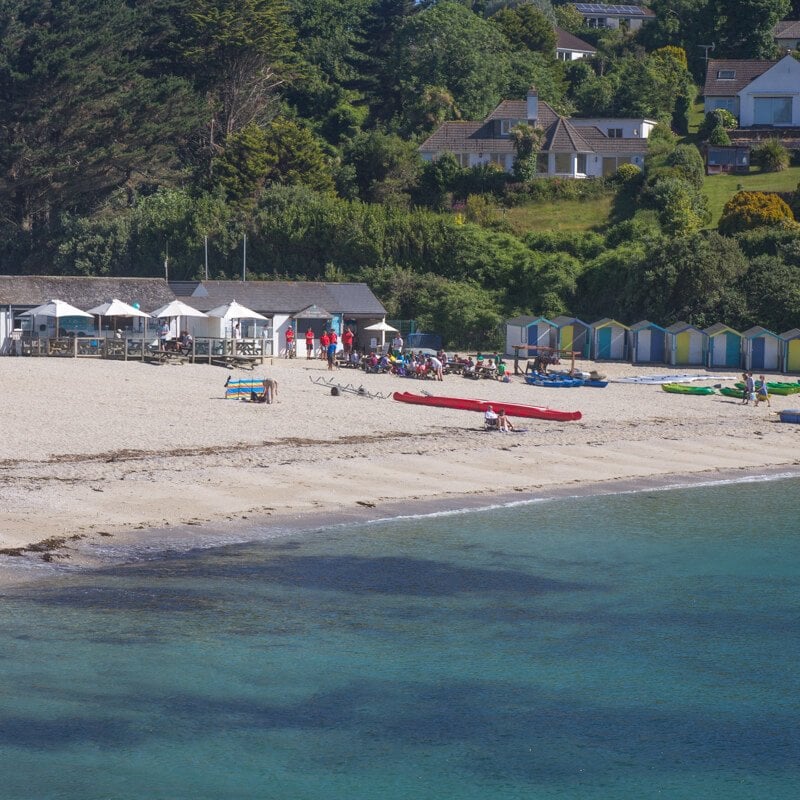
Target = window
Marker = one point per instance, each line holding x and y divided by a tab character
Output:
505	126
581	167
498	158
726	103
726	74
563	164
542	163
562	55
772	110
463	159
615	133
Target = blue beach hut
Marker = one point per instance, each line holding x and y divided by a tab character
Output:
687	345
791	350
724	346
609	340
762	349
527	333
573	335
648	343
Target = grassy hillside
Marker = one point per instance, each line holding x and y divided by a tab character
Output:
720	188
561	215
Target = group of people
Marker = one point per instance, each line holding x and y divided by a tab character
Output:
497	420
407	365
755	391
328	344
483	366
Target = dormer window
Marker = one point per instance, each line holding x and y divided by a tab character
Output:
506	125
726	74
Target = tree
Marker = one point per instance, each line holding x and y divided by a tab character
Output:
242	52
296	156
744	29
82	117
770	155
448	46
527	143
687	163
526	26
747	210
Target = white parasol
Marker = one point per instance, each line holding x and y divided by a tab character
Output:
177	308
56	309
234	310
382	326
117	308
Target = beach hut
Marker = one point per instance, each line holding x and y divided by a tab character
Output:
531	332
573	335
724	346
686	345
648	343
791	350
609	340
762	349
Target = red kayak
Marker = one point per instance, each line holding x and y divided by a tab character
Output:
465	404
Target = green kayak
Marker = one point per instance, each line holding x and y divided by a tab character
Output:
728	392
776	388
683	388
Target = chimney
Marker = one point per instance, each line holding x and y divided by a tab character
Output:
533	105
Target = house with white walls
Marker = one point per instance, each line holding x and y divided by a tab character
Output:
571	147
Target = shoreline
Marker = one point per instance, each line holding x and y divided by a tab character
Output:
131	548
129	458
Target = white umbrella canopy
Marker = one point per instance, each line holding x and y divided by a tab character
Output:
55	308
177	308
382	326
234	310
117	308
385	327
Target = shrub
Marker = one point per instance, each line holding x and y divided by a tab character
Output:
771	156
628	173
718	118
747	210
719	137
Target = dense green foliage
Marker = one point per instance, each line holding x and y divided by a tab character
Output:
133	131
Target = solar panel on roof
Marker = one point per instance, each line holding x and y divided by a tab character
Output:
603	8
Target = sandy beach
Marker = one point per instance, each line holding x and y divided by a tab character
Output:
94	452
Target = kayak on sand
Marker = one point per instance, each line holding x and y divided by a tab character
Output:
466	404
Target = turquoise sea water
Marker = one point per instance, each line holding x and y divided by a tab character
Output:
629	646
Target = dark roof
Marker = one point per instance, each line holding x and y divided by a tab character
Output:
287	297
600	143
562	137
644	324
719	327
613	10
518	109
568	41
756	331
679	327
745	71
563	320
787	29
83	292
524	321
466	137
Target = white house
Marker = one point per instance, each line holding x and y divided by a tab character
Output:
570	48
787	34
571	147
756	92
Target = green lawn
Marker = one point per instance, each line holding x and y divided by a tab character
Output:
720	188
560	215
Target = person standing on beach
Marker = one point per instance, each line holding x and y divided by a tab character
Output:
290	342
309	344
749	389
324	341
347	341
331	353
762	391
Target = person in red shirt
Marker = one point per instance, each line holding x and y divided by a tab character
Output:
347	341
334	338
290	342
324	341
309	343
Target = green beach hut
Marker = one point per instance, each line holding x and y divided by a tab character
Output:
724	346
609	340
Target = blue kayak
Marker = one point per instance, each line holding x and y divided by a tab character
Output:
554	383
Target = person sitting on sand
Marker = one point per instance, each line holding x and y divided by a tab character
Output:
503	422
490	418
269	393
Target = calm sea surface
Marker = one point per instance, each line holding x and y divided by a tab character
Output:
629	646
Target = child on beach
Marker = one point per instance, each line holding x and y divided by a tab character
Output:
762	391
